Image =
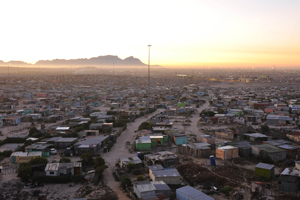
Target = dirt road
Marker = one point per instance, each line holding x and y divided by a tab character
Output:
193	129
119	150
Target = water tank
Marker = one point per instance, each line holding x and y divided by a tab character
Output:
139	155
212	160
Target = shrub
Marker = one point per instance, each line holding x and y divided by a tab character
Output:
51	179
64	160
38	160
77	178
226	189
24	171
140	178
125	181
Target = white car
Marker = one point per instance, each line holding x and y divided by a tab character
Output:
53	151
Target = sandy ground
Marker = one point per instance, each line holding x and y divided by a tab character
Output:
119	150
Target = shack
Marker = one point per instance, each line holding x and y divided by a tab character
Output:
197	150
268	153
190	193
227	152
265	170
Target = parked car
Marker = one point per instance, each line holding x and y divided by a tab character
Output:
53	151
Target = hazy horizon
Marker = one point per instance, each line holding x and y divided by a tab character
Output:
233	33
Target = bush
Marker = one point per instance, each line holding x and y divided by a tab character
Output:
136	172
24	171
125	181
77	178
6	153
130	166
87	159
145	125
226	189
264	128
51	179
99	161
64	160
38	160
140	178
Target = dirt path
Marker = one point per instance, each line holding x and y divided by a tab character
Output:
193	129
119	150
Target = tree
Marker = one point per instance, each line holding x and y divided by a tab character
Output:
183	99
125	181
130	166
221	111
38	160
32	131
65	160
86	159
24	171
140	178
100	169
264	128
99	161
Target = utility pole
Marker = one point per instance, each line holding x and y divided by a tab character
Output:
149	76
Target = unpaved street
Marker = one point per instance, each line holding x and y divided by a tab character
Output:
119	150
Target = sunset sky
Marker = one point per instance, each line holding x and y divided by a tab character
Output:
194	33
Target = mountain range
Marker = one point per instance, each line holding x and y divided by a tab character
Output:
108	60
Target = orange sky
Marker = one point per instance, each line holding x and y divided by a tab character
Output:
182	33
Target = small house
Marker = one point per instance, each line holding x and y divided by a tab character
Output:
143	143
227	152
190	193
255	137
165	158
169	175
60	169
268	153
135	160
265	170
180	139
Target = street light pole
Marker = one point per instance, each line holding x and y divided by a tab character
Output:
149	76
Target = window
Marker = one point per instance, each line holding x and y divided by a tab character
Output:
51	172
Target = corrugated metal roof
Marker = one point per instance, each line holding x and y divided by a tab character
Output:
193	193
264	166
166	173
146	187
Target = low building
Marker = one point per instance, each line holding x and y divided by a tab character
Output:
12	121
244	148
165	158
278	120
20	157
197	150
255	137
268	153
60	142
135	160
289	179
208	139
91	144
180	139
146	189
227	152
143	143
169	175
265	170
61	169
225	134
190	193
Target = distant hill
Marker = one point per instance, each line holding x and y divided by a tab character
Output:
108	60
100	60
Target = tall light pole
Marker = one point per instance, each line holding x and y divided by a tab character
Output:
149	76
